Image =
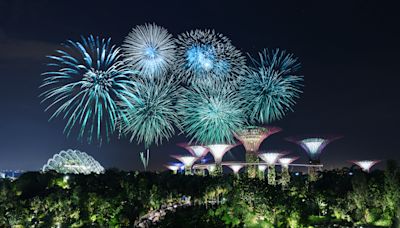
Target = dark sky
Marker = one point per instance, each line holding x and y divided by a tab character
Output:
349	51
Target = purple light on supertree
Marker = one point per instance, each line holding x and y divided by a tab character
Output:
196	150
366	165
313	145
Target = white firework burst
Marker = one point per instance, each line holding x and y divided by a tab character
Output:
150	49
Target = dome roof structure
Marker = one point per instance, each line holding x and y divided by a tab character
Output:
73	162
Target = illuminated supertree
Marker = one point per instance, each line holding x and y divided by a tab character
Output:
251	138
366	165
87	80
174	167
152	116
285	176
150	49
195	150
271	158
188	161
218	151
210	114
236	167
204	56
313	147
271	86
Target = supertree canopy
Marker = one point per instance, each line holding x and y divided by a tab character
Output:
271	86
204	55
366	165
152	116
73	162
87	80
313	145
210	114
150	49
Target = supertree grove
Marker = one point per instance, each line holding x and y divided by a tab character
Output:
204	56
271	86
149	49
271	158
87	80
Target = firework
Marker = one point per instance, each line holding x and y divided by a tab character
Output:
210	115
150	49
204	56
271	86
152	117
85	84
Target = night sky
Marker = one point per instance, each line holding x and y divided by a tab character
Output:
349	51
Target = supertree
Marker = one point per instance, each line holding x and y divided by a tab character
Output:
149	49
271	158
313	147
197	151
151	116
174	167
261	171
271	86
218	151
188	161
366	165
251	138
204	56
87	80
209	114
235	167
285	176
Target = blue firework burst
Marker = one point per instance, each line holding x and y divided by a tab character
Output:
150	49
86	82
204	55
210	114
271	87
153	118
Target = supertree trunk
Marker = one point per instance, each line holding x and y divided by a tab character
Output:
251	157
271	175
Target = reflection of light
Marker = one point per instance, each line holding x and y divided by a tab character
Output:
270	158
351	173
235	167
313	144
218	151
297	173
262	167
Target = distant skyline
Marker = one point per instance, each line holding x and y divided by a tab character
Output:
348	50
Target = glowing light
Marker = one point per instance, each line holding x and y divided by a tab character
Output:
211	168
150	49
286	161
219	150
271	86
210	114
271	157
186	160
173	167
87	80
73	162
204	55
262	168
313	145
152	116
366	165
195	150
235	167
